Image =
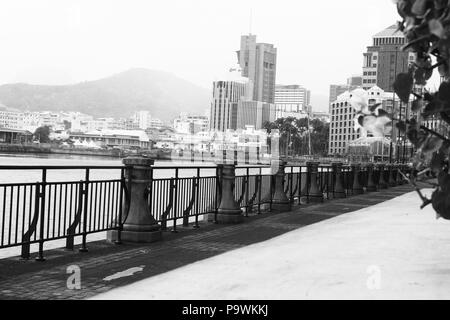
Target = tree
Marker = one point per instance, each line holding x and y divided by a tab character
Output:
294	135
42	134
426	26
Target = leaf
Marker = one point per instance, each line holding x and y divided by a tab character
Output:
444	69
401	126
361	120
404	8
422	74
417	137
382	113
419	7
417	105
444	91
403	85
431	144
372	108
378	126
432	108
359	99
428	96
436	28
437	162
443	179
445	148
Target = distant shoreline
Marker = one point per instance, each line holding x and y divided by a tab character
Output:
47	149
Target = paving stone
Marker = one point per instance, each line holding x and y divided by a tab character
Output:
47	280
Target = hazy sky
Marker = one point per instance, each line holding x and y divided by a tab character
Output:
64	41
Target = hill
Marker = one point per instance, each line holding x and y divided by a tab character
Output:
163	94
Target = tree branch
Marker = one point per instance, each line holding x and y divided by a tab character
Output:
440	136
424	199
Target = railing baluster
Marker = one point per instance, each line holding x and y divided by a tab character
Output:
85	210
175	200
40	256
247	187
197	192
259	189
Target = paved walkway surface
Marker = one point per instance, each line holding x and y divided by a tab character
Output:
107	266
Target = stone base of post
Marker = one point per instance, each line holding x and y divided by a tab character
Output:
314	193
229	210
357	187
135	236
139	226
339	191
230	217
280	202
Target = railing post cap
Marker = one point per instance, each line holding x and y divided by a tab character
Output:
138	161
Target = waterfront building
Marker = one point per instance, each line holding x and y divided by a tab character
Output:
15	136
10	118
342	122
142	119
338	89
227	92
232	107
355	80
384	59
123	139
191	124
291	101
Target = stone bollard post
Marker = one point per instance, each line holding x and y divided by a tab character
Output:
396	175
139	224
280	202
382	184
229	210
314	193
371	186
391	180
339	191
357	187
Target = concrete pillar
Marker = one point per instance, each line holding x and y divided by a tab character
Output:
357	187
140	225
382	184
371	186
229	210
397	176
280	202
391	180
314	193
339	191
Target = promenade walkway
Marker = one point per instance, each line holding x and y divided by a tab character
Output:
107	266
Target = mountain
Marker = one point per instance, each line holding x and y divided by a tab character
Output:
161	93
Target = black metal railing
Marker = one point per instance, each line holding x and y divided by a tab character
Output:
53	208
49	210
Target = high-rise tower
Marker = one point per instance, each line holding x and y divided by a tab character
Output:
258	62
